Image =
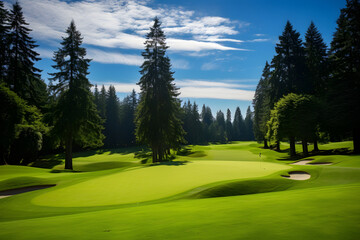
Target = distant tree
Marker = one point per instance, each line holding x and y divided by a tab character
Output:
238	126
207	120
75	115
127	119
4	41
22	76
219	134
228	126
101	102
157	118
112	119
261	104
344	97
248	122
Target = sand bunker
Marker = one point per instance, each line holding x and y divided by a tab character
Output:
297	175
9	193
308	162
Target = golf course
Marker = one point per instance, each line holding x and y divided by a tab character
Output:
114	194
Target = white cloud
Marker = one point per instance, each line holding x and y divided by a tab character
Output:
259	40
118	23
114	57
206	83
197	89
217	93
259	35
209	66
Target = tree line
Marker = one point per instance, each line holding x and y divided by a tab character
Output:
310	92
64	115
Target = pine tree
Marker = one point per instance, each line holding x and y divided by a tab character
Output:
248	122
158	124
317	67
261	104
127	119
23	77
316	60
220	134
344	97
289	66
238	126
112	119
75	115
4	41
228	126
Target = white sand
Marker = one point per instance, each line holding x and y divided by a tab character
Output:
298	176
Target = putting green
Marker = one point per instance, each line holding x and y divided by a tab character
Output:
152	183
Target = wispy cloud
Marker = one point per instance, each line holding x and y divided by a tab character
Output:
259	40
123	23
199	89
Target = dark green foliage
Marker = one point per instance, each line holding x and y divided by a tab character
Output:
261	104
293	117
344	97
157	117
112	119
127	119
22	76
316	60
75	115
239	126
228	126
21	127
219	134
248	122
192	124
4	41
289	66
11	113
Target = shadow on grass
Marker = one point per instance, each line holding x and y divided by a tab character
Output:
170	163
336	151
48	162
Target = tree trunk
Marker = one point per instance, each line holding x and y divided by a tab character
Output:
292	146
68	152
356	139
265	144
154	154
316	147
305	147
277	145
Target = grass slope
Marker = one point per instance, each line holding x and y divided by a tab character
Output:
208	193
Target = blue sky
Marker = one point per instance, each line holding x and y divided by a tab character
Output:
218	48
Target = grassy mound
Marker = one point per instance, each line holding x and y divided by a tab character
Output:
150	183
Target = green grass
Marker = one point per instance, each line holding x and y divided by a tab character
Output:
209	192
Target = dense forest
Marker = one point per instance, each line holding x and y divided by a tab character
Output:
308	93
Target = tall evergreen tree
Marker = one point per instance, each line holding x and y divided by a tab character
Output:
4	41
261	104
344	97
75	115
220	133
23	77
317	66
157	117
289	66
316	60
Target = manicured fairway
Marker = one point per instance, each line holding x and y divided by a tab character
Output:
152	183
210	192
